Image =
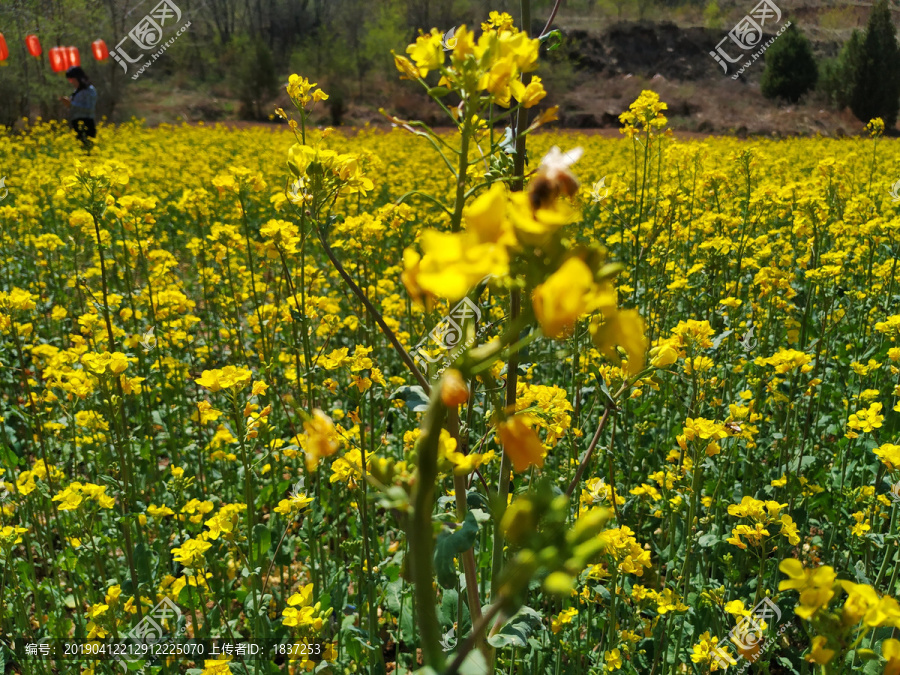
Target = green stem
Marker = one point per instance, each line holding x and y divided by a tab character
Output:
367	554
505	462
461	173
891	546
375	314
468	557
421	533
689	526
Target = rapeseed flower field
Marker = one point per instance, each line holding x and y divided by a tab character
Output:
402	401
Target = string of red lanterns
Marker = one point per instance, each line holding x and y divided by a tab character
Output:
60	58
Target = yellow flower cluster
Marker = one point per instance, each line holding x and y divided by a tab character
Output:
491	64
624	550
644	115
76	494
322	169
863	610
761	513
709	653
302	613
229	377
303	92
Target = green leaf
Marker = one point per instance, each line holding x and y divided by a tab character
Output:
872	667
448	608
474	664
807	461
408	628
394	497
451	544
393	596
8	457
414	397
718	339
252	608
517	630
262	539
859	571
145	559
553	39
189	597
285	554
438	92
708	540
786	663
476	500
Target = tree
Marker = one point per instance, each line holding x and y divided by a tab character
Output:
791	68
712	15
836	81
253	75
876	82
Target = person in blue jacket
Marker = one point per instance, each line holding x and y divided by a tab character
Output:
82	104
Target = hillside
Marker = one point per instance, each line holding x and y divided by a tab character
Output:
594	74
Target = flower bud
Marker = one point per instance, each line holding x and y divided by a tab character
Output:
454	391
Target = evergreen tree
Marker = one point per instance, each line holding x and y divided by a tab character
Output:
836	80
791	68
876	82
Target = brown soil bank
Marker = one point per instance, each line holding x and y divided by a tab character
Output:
609	70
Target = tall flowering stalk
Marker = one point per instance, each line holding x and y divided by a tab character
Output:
516	241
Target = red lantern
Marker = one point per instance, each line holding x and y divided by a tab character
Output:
73	58
101	53
4	50
57	57
34	45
